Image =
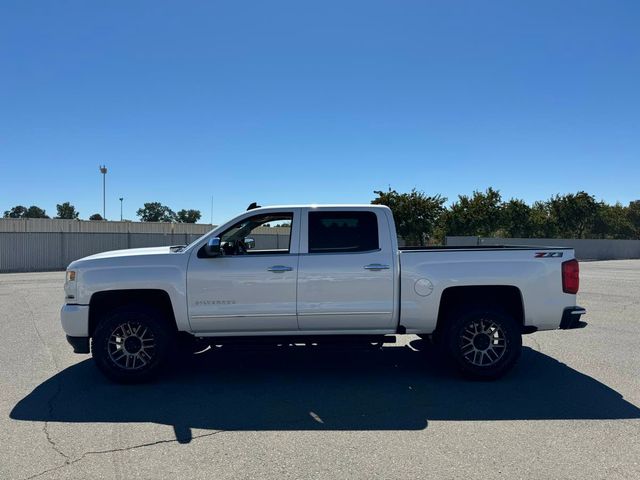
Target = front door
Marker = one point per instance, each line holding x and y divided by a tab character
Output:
251	287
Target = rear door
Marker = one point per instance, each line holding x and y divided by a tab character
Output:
345	271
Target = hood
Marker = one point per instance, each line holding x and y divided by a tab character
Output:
129	252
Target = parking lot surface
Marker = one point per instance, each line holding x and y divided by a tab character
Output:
570	408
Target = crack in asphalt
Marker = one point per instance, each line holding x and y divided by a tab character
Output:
70	461
84	455
52	399
45	427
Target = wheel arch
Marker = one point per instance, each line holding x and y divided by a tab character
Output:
103	302
505	297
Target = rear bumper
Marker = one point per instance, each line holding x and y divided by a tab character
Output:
571	318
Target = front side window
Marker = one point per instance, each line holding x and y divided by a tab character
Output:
342	232
260	234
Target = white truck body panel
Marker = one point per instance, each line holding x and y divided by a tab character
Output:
336	292
318	293
538	280
239	294
139	268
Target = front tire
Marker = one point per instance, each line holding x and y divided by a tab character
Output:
484	343
131	344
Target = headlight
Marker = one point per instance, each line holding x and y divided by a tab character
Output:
70	286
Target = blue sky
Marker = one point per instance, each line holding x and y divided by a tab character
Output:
315	102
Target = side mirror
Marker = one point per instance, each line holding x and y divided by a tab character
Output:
250	243
212	248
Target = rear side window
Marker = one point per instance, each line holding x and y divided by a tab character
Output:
342	232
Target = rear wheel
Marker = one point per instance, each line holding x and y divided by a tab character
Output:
485	343
131	344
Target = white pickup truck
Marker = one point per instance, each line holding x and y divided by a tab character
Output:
331	273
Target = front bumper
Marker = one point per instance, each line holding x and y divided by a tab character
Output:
79	344
75	320
571	318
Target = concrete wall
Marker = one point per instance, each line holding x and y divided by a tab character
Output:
586	249
44	251
51	225
59	225
468	241
36	251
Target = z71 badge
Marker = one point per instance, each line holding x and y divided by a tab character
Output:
548	254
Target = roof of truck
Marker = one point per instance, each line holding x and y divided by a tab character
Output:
324	205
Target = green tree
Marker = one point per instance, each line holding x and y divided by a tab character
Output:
156	212
188	216
515	219
21	212
574	214
478	214
543	223
67	211
416	214
36	212
96	216
612	221
633	214
18	211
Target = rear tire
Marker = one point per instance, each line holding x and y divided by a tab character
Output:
131	344
484	343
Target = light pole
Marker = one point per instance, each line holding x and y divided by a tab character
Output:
121	198
103	171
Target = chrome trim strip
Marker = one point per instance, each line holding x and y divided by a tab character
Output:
293	333
245	315
307	314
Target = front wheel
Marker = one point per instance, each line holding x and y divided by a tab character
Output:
131	344
484	343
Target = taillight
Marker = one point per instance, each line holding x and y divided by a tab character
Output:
570	276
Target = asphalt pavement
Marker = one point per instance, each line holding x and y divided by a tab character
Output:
570	408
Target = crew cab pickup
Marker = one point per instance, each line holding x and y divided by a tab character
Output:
313	274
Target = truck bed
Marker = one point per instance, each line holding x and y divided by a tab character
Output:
535	271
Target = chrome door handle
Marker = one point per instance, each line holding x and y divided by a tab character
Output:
376	267
279	269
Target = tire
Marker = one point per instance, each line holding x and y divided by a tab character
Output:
484	343
131	344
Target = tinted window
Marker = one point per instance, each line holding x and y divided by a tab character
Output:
333	232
